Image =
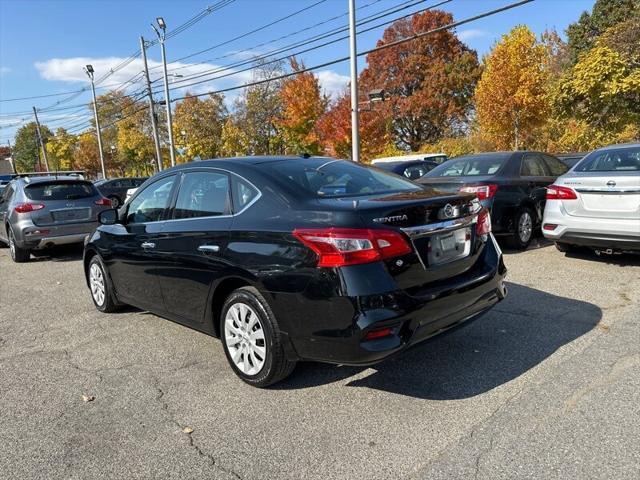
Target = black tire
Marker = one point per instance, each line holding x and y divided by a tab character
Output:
276	366
18	254
524	223
115	201
109	303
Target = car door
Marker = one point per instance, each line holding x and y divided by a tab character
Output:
193	243
5	204
535	178
134	259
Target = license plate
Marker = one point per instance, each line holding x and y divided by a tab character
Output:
448	243
65	215
450	246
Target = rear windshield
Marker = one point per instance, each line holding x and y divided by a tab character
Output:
328	178
469	167
68	190
611	160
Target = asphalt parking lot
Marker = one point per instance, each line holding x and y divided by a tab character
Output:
545	386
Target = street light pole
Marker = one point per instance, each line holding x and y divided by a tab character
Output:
89	71
44	150
161	38
355	130
152	111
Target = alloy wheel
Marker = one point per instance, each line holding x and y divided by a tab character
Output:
96	282
12	245
525	227
245	339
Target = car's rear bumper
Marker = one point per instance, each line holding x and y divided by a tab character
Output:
35	237
615	233
412	318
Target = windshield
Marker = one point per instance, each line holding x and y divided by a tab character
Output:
60	191
469	166
326	178
611	160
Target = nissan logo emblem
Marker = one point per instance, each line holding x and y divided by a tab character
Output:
448	210
611	183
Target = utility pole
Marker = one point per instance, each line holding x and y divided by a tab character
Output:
44	150
516	130
89	71
152	111
13	164
355	130
161	38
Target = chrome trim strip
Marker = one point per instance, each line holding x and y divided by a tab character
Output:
440	227
613	191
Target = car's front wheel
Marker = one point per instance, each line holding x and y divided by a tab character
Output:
252	340
100	286
18	255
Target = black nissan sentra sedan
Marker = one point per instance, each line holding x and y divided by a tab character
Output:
289	259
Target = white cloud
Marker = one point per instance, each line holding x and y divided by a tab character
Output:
471	33
332	83
4	71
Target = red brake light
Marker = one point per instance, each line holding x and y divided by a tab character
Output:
105	202
557	192
338	247
378	333
28	207
483	192
483	227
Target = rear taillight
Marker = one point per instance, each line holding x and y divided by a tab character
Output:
339	247
379	333
483	192
28	207
557	192
105	202
483	227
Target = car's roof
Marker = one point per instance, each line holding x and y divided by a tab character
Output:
396	164
249	160
620	145
32	180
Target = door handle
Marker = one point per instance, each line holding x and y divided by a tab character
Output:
148	245
209	248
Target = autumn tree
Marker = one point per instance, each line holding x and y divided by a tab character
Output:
302	105
624	38
582	35
511	99
234	140
86	155
334	128
61	150
197	126
429	82
26	150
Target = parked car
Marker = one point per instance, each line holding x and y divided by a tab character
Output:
115	189
413	169
512	185
255	251
40	212
597	204
570	159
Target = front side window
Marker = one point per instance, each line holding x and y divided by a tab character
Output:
533	166
203	194
611	160
469	166
151	203
555	166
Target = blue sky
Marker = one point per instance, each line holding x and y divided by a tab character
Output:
45	43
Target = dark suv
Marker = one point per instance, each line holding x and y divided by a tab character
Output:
40	212
115	189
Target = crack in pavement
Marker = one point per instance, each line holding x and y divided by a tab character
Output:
192	444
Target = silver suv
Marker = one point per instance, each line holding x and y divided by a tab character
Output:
40	212
597	203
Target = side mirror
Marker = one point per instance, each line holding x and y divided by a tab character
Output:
108	217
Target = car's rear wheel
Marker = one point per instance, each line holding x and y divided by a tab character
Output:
115	201
101	289
252	340
523	229
18	254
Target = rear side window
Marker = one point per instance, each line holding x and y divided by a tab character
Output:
151	203
469	166
613	160
60	191
533	166
243	193
555	166
203	194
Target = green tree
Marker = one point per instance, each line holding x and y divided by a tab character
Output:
26	150
61	149
511	97
233	139
198	125
582	34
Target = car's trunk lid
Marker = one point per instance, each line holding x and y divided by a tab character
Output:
602	195
64	202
